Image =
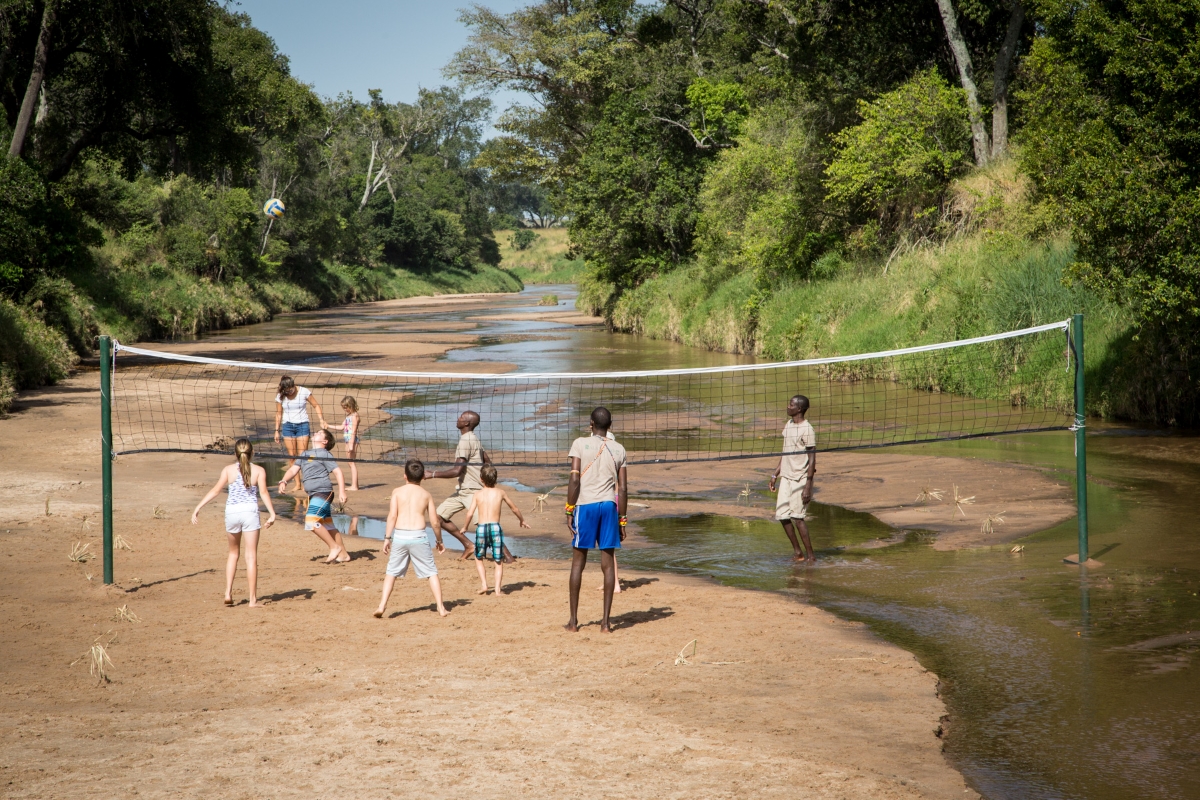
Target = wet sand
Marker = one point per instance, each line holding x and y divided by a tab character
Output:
311	696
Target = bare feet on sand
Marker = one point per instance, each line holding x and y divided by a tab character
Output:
378	615
572	627
484	590
616	588
335	555
442	610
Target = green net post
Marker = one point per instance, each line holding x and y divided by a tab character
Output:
1080	439
106	452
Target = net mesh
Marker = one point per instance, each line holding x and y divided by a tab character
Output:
1014	382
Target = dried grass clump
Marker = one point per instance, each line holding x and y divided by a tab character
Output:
98	662
991	520
120	543
1017	548
928	494
744	494
684	655
539	503
160	512
125	615
81	553
960	501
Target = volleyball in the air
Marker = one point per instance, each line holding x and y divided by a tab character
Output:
274	208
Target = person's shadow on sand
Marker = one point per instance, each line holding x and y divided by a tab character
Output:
631	618
307	594
509	588
449	604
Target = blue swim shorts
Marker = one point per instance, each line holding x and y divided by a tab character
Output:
596	525
320	507
489	538
295	430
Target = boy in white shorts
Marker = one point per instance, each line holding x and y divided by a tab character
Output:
794	474
407	542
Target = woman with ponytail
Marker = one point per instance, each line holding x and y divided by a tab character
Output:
247	484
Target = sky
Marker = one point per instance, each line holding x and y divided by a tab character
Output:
355	45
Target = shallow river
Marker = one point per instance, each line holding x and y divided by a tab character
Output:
1059	684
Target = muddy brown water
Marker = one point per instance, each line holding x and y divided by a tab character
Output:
1059	683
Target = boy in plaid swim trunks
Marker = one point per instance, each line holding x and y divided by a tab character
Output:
489	502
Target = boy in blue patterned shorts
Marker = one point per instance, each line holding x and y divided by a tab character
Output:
489	537
597	495
318	470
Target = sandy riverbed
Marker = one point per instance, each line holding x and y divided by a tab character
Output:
311	696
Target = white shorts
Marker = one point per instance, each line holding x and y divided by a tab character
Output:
790	502
407	551
240	520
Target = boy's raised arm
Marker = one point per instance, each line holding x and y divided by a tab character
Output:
287	476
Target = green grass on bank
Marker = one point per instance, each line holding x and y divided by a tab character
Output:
133	300
981	284
544	261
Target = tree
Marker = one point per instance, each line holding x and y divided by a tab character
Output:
1112	111
1000	42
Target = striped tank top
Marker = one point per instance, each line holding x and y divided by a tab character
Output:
240	496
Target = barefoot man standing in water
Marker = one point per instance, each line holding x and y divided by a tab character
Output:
597	485
794	474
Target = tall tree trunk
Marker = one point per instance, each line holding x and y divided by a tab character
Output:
962	58
40	55
1004	60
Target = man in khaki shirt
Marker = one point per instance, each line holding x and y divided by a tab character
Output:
597	496
469	458
794	475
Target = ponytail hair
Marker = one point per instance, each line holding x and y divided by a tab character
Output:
243	450
287	387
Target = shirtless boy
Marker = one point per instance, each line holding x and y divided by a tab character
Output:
411	509
598	485
489	536
469	458
794	474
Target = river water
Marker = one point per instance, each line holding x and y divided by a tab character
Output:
1059	683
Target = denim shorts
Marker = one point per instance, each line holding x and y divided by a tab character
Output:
296	430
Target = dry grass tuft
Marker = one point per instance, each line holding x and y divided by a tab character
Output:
125	615
81	553
539	503
992	519
160	512
960	501
928	494
85	523
684	655
744	494
98	661
1017	548
120	543
47	506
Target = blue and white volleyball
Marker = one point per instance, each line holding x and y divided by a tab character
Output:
273	208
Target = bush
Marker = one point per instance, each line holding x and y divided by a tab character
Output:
523	238
761	203
33	354
897	163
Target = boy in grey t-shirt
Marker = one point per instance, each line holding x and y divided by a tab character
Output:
316	468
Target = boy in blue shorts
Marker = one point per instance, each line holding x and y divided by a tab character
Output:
597	486
489	502
316	467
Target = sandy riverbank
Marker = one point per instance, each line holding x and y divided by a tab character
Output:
311	696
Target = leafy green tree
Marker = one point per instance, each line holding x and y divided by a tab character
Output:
1112	138
897	163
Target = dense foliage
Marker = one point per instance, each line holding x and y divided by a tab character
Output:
132	198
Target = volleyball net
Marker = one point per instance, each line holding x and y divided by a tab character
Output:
1018	381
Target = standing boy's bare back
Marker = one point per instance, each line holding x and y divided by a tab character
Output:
488	503
409	514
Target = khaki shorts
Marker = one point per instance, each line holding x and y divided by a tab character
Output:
790	503
455	503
